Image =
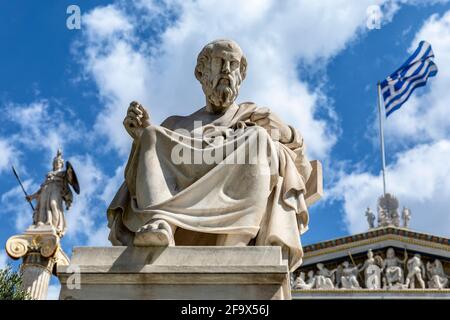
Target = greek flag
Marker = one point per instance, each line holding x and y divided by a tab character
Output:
414	73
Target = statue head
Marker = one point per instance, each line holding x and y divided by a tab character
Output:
58	161
370	254
390	253
310	274
438	265
221	68
345	264
319	266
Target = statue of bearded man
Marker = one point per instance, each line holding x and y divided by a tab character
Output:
228	174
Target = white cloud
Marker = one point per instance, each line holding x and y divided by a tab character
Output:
83	213
114	183
15	208
7	155
119	75
106	22
418	178
99	237
86	219
3	259
159	71
42	126
419	174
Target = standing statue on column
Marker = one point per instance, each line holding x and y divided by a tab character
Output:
406	217
370	218
53	193
39	246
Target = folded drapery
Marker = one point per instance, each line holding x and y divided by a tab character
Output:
227	179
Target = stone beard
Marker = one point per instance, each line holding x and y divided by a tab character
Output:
164	202
221	91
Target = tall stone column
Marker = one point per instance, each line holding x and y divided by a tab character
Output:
40	251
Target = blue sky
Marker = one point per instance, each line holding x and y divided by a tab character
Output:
315	63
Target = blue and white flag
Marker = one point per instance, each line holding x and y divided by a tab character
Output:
414	73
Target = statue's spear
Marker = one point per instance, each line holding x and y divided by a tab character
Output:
23	189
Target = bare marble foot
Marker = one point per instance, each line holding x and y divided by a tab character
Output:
154	234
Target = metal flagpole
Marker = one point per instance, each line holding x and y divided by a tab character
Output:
383	159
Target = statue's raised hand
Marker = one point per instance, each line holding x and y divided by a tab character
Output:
136	120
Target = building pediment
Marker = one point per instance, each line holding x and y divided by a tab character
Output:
385	262
377	239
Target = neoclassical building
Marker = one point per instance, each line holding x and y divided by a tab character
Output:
388	261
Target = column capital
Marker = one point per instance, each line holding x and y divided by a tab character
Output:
42	240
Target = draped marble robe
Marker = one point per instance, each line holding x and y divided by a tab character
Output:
170	176
52	194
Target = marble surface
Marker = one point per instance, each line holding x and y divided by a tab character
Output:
177	273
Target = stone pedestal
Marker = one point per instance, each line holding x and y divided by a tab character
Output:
176	273
40	250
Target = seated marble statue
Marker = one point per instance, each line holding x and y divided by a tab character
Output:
228	174
393	271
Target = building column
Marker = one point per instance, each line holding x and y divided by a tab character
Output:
40	252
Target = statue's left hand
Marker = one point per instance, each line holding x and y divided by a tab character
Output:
277	129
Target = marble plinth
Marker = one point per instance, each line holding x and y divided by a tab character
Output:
175	273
